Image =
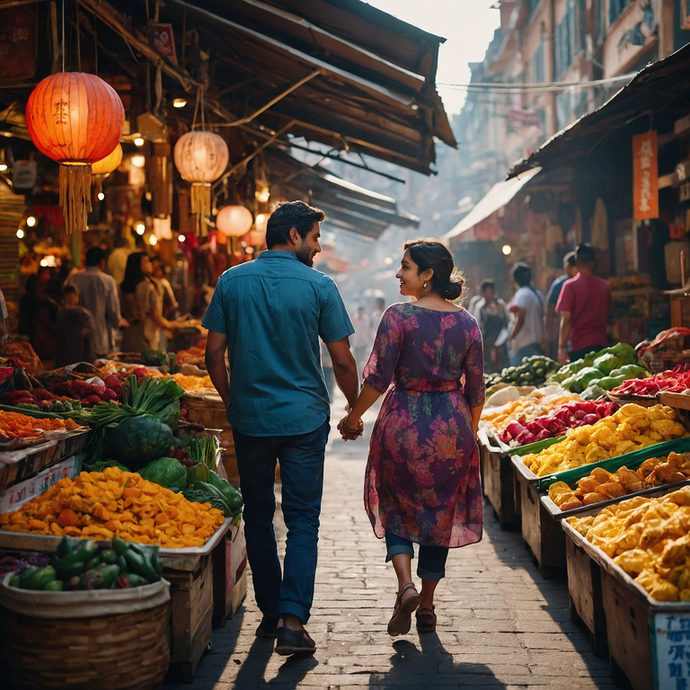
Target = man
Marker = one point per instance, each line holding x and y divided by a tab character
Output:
583	304
361	340
552	319
75	330
492	316
528	307
99	294
269	315
117	261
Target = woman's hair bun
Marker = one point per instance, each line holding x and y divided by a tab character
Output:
429	253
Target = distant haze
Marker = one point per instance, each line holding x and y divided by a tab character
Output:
468	26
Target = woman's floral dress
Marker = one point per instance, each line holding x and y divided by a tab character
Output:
422	479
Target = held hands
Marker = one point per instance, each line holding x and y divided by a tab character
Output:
350	429
563	356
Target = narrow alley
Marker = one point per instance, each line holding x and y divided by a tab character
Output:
500	624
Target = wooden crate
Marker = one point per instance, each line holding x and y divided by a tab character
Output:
541	532
628	632
498	478
229	575
191	593
584	592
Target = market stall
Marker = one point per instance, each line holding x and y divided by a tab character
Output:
600	458
103	457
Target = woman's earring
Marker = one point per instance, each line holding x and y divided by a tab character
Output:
425	284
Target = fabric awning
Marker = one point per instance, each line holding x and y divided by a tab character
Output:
347	205
497	197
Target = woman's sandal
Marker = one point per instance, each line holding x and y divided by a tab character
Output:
401	621
426	619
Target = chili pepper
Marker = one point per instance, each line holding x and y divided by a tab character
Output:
109	557
54	586
75	561
36	578
133	579
140	562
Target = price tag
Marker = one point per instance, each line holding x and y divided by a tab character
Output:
672	632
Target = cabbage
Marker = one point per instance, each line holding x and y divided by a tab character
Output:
167	472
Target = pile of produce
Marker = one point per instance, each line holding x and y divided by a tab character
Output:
599	372
15	425
538	403
193	383
113	503
10	564
675	381
41	400
88	564
601	485
532	372
195	355
648	538
672	341
627	430
568	416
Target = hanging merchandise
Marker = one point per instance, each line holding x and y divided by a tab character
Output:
76	119
234	221
201	158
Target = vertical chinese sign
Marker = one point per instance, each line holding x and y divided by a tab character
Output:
17	43
645	176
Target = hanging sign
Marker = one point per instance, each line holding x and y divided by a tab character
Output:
24	174
18	43
164	41
645	176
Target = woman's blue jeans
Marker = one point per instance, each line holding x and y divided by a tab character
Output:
301	470
432	558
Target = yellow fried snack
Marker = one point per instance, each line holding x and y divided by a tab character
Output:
649	538
631	428
113	503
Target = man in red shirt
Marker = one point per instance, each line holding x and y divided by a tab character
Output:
583	304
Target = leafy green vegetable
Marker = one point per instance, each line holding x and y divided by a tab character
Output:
167	472
102	464
201	449
232	496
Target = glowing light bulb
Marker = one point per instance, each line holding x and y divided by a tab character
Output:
138	161
31	221
388	261
179	103
140	228
153	240
181	238
3	167
101	196
506	249
20	233
138	141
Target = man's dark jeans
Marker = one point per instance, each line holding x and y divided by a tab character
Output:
301	470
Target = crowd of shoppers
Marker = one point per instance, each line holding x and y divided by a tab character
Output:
127	296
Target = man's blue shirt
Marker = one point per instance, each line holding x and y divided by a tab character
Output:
274	310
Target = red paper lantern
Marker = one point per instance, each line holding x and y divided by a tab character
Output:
76	119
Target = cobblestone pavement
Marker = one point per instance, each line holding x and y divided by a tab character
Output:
500	624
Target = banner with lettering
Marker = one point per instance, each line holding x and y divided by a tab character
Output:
645	176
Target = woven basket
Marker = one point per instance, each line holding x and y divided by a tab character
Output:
122	651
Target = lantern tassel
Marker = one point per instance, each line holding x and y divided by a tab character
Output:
75	196
201	206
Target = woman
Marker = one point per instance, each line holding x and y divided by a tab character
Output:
142	306
422	478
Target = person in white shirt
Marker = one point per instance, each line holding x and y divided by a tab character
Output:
118	260
361	339
528	307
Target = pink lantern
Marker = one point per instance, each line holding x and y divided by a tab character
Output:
234	221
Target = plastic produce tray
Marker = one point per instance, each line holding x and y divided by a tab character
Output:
679	445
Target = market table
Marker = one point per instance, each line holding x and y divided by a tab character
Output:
497	480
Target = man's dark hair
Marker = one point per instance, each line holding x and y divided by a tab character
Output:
94	256
584	253
522	274
68	290
486	285
569	260
120	242
288	215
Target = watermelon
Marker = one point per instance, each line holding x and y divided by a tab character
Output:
137	441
